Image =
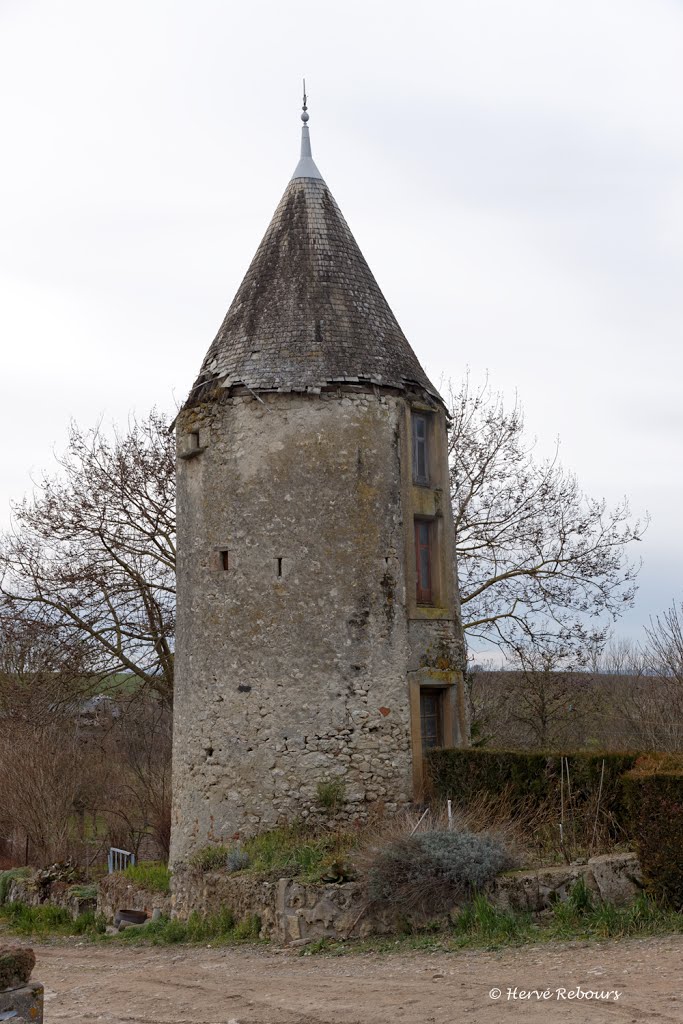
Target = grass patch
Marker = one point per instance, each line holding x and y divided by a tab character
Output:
45	921
217	856
210	858
151	875
331	794
87	891
482	924
295	849
218	928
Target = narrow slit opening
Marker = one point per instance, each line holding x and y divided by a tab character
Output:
225	560
279	567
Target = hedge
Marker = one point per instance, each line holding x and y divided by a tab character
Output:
528	777
654	800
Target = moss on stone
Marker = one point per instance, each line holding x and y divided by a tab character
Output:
16	964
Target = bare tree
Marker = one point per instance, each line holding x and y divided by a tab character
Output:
41	666
664	647
546	699
91	556
660	705
137	802
487	695
45	772
538	561
90	559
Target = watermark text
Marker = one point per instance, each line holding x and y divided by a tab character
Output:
610	995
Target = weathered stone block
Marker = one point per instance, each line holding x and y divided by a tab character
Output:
536	890
25	1002
16	964
612	878
617	876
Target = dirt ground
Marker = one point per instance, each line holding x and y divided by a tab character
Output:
190	985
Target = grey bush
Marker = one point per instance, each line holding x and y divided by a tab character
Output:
431	870
237	860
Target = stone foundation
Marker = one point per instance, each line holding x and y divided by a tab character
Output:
295	912
117	892
614	878
290	911
298	912
22	1005
56	895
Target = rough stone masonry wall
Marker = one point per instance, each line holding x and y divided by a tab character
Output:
118	892
284	681
292	911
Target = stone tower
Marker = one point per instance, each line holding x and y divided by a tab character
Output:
318	626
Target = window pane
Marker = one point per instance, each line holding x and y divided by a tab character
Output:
430	719
420	464
423	557
424	568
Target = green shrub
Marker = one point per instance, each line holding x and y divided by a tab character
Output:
151	875
248	929
331	794
482	923
529	777
428	871
655	802
45	920
90	923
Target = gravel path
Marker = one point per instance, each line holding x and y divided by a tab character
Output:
189	985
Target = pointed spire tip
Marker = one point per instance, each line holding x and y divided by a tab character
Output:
306	167
304	115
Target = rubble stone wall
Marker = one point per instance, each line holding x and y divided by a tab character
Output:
294	912
292	648
117	892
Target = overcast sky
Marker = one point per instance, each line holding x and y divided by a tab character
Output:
513	173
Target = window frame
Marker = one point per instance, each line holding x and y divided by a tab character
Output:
419	417
437	694
424	595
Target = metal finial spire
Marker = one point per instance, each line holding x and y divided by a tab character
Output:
305	115
306	167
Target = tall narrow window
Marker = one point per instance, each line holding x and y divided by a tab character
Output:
423	560
420	448
431	718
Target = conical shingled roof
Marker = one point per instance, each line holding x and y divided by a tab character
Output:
309	312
